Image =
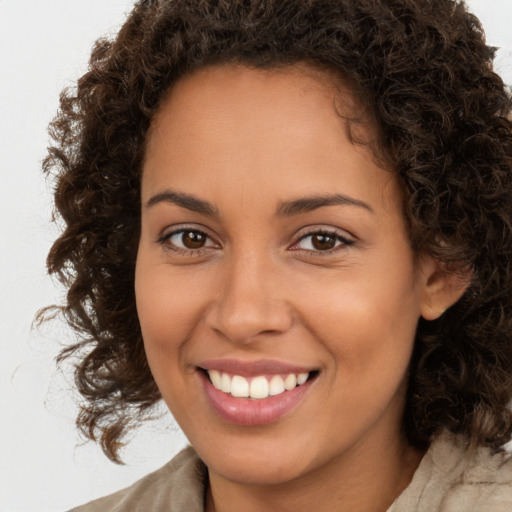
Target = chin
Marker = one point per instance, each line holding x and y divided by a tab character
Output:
260	461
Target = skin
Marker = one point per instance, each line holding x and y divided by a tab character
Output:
247	141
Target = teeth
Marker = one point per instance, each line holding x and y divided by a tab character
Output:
301	378
215	378
290	382
225	383
276	386
258	387
239	387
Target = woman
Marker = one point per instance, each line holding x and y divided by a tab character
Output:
291	221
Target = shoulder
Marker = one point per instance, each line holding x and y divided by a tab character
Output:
453	477
483	481
177	486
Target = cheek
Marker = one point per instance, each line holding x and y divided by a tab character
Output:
166	307
166	312
366	319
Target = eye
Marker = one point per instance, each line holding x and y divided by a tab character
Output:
184	240
322	241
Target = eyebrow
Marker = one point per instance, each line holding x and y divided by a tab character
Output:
308	204
187	201
285	209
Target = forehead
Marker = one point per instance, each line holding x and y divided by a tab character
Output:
303	88
224	125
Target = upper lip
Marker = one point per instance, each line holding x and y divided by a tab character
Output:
253	368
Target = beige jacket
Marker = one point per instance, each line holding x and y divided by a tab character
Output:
449	479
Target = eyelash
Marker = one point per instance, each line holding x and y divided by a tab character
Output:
344	242
180	250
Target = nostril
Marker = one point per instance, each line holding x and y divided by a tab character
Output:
246	324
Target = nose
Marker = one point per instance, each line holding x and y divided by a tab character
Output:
252	301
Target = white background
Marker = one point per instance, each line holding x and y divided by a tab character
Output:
44	46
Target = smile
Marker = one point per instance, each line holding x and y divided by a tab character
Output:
255	393
258	387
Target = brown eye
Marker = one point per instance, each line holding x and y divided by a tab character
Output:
188	239
323	242
193	239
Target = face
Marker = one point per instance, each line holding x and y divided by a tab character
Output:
273	264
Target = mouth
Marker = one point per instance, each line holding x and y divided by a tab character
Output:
258	387
254	393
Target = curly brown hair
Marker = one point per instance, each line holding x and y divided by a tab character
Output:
423	71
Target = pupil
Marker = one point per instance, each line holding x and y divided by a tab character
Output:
193	240
323	242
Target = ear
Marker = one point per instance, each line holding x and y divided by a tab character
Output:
442	288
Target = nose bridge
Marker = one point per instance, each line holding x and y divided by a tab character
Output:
250	300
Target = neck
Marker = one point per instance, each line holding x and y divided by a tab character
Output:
366	479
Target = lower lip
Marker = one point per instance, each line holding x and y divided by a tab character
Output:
244	411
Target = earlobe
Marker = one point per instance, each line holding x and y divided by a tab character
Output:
442	288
